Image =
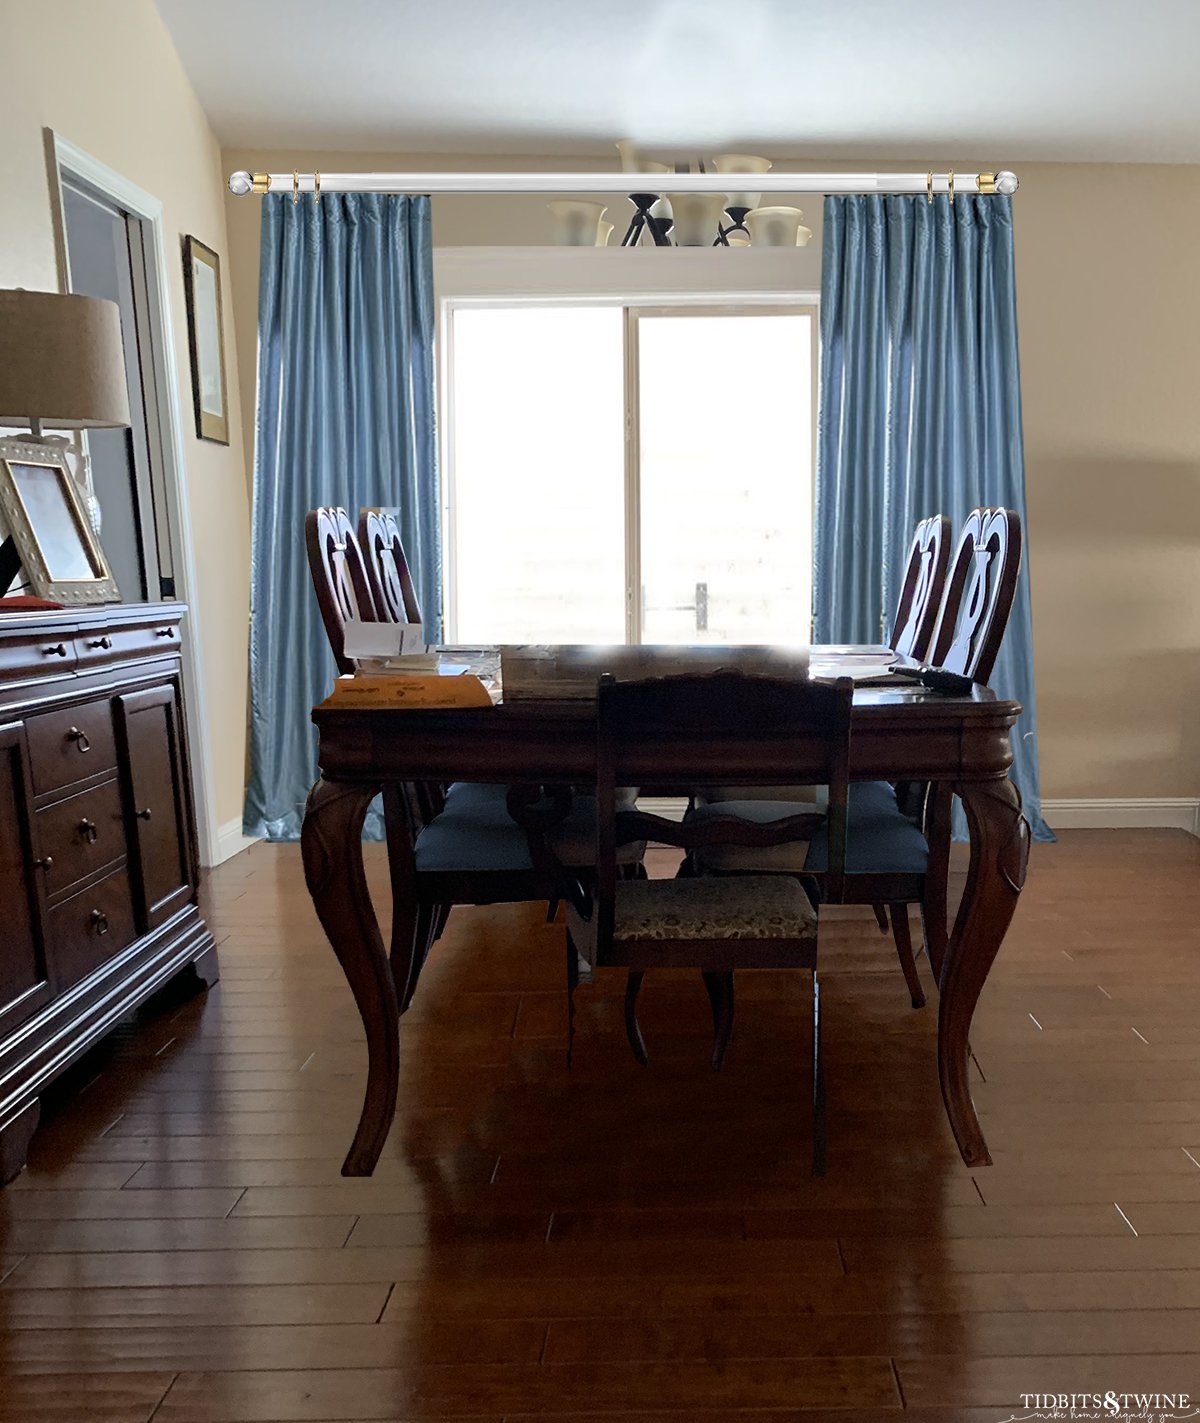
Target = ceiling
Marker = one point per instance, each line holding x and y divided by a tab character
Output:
1004	81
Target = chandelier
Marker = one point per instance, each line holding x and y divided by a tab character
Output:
684	219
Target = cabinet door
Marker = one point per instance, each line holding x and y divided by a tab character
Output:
24	985
158	807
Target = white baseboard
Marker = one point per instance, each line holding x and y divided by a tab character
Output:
1129	813
231	841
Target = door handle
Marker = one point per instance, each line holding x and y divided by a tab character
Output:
87	828
82	744
58	649
99	921
104	642
144	814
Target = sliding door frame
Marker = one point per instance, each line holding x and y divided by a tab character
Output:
775	281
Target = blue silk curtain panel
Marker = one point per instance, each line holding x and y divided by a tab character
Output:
345	416
920	413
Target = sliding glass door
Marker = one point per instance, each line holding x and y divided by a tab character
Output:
629	474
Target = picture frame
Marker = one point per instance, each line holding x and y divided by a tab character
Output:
41	508
206	340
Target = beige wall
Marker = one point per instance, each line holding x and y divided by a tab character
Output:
106	77
1109	310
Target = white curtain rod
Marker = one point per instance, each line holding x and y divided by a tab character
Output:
241	183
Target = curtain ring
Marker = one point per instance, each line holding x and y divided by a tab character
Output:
950	189
929	187
295	187
317	187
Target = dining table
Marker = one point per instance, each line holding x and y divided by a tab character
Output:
903	732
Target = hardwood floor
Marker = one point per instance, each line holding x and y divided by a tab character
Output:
616	1242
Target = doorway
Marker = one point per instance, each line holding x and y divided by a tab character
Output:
111	242
106	257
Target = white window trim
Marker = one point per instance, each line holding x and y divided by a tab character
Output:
579	276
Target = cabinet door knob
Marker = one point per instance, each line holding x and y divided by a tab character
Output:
104	642
59	649
82	744
144	814
99	921
87	828
164	632
45	863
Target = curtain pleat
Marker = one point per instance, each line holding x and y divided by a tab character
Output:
920	413
345	416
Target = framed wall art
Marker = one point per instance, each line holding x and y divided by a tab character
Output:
206	339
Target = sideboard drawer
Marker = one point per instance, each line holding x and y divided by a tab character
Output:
100	645
71	745
80	835
90	928
37	654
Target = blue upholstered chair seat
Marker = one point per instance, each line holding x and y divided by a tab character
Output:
475	832
880	838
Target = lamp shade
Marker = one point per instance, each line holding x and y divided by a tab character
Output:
62	364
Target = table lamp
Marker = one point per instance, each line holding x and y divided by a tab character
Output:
62	367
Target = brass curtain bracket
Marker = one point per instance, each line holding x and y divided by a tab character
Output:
987	182
260	182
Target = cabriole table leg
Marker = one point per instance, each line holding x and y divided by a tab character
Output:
999	857
331	843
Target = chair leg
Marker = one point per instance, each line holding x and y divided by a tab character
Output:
572	985
904	951
632	1031
818	1091
881	917
427	926
721	998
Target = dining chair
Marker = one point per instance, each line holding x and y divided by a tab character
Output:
446	846
719	926
893	856
340	579
913	627
387	567
922	588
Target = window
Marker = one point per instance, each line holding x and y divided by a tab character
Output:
629	473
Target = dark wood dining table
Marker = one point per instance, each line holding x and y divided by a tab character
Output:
901	733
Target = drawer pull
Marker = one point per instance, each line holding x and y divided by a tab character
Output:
82	744
45	863
104	642
99	921
144	814
59	649
87	828
164	632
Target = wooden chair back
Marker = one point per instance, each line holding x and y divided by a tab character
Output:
979	593
922	589
339	575
673	722
387	568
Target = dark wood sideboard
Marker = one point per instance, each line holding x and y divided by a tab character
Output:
98	865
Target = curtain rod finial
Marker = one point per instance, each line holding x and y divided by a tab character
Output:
240	184
1006	183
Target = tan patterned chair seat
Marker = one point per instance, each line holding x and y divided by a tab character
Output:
745	907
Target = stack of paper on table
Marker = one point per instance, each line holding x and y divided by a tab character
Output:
570	672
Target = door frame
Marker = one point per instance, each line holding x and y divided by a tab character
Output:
63	155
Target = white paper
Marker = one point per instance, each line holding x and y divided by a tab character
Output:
363	640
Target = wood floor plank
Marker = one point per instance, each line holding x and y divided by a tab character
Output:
194	1306
365	1394
412	1343
83	1398
102	1204
44	1237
